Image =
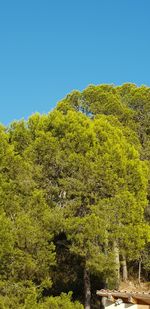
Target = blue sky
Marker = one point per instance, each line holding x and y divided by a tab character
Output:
50	47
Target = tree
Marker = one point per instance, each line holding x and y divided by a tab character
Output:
96	164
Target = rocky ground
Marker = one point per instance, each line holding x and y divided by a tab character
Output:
133	286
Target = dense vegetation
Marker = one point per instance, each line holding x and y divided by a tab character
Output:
74	199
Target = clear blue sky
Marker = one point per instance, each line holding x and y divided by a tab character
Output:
50	47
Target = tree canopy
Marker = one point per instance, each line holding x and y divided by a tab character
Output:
74	200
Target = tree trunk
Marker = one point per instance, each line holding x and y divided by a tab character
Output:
124	269
117	262
106	254
139	275
87	289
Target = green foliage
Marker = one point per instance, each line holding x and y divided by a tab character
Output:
63	301
25	296
81	171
